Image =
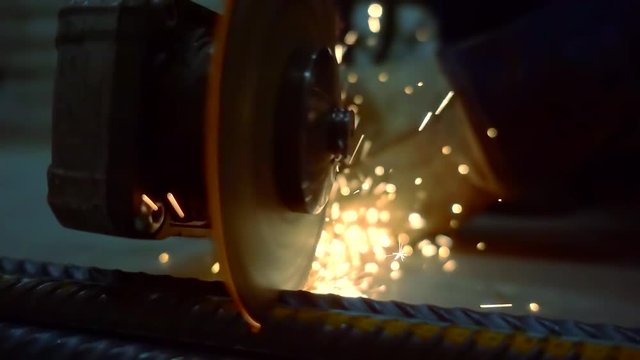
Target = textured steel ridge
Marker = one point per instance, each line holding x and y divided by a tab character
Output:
186	317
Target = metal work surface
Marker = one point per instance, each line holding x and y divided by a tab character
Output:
199	317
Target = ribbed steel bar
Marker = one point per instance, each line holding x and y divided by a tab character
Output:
19	341
192	313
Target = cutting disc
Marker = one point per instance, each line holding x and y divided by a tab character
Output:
263	246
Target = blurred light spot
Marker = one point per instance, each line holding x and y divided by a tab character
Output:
375	10
215	268
385	216
425	121
358	99
534	307
446	150
316	266
352	78
418	181
420	83
339	52
481	246
416	221
403	238
463	169
493	306
163	258
345	191
374	24
372	216
395	275
422	34
450	266
351	37
335	210
379	170
444	241
444	252
492	132
454	224
456	209
429	250
350	216
499	200
372	41
371	268
390	188
408	90
407	250
395	265
366	185
383	77
445	102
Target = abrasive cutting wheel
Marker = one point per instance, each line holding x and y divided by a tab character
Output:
277	134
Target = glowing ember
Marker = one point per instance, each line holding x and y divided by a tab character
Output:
163	258
463	169
456	209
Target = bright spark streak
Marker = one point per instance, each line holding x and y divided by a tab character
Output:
400	255
425	121
493	306
149	202
339	52
356	149
175	205
444	102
